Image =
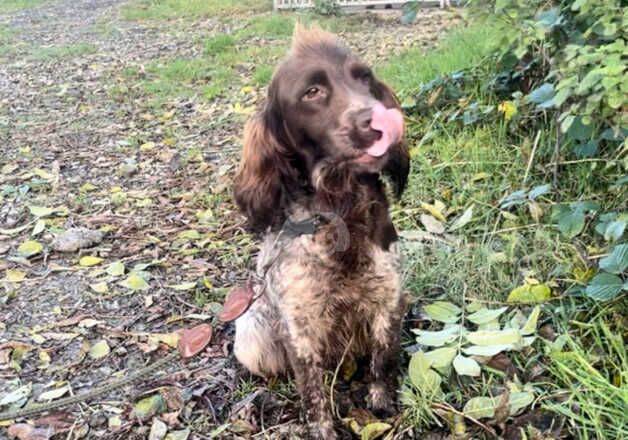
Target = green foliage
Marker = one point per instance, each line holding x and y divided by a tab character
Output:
219	44
327	7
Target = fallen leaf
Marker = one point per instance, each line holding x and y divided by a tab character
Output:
15	396
89	261
115	269
463	219
485	315
30	248
158	430
99	350
194	340
236	303
183	286
24	431
101	287
135	282
431	224
14	275
494	337
53	394
530	293
148	407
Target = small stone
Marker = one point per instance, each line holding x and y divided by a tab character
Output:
74	239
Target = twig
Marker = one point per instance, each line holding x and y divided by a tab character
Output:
333	380
534	147
447	407
516	228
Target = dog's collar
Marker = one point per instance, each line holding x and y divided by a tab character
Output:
308	226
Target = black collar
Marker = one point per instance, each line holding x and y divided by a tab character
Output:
303	227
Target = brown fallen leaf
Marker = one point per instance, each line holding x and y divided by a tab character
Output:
193	341
24	431
237	302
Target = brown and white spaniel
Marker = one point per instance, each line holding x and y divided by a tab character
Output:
311	182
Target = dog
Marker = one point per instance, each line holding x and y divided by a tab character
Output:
311	182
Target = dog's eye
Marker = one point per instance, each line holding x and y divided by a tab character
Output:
311	93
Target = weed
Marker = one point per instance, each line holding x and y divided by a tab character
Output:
263	74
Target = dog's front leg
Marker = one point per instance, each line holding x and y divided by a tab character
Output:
308	372
384	359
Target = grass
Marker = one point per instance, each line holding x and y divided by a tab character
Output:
462	48
590	366
8	6
139	10
62	51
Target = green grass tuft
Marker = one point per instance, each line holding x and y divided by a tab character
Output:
8	6
139	10
219	44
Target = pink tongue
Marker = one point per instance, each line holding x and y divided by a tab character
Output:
390	122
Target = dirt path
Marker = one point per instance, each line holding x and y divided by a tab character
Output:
78	137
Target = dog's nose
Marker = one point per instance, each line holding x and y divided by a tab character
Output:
363	120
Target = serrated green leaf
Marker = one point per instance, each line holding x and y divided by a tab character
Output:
485	315
443	311
487	350
617	261
530	293
438	338
494	337
570	222
530	325
615	230
441	357
99	350
604	287
480	407
135	282
466	366
30	248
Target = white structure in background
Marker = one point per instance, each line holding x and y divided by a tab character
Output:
356	4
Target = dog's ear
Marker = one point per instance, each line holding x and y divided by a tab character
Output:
265	176
398	165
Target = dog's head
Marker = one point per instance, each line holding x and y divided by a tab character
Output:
325	111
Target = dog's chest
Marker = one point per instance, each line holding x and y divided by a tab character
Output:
305	281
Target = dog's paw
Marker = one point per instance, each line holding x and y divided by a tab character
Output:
380	398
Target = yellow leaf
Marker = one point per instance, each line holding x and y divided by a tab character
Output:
183	286
147	146
87	187
15	276
170	339
436	210
29	248
99	287
43	174
99	350
135	282
90	260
